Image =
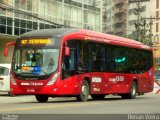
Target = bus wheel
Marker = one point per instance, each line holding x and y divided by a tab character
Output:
41	98
84	92
97	97
132	93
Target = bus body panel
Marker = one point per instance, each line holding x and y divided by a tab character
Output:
100	82
146	81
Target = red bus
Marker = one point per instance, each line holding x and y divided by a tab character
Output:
78	63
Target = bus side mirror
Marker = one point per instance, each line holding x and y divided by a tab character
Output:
5	52
67	51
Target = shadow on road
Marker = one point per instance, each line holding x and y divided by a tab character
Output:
73	99
5	95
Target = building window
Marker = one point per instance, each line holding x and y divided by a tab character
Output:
157	27
157	15
5	25
157	4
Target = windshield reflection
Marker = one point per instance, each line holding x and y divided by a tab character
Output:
35	61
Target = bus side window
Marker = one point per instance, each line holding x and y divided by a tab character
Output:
80	62
110	56
68	64
82	56
98	56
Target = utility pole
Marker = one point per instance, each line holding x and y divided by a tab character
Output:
151	19
138	13
137	25
150	30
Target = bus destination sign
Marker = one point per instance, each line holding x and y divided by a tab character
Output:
36	42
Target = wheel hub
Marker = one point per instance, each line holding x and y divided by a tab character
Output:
84	90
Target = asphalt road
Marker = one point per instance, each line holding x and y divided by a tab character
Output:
146	104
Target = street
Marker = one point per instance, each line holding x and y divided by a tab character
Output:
23	105
77	48
149	103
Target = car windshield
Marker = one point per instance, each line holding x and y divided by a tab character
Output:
4	71
40	62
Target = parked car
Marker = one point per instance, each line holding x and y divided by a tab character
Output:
5	77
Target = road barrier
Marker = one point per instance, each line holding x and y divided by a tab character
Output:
156	89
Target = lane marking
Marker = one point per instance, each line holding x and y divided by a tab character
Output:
85	104
48	107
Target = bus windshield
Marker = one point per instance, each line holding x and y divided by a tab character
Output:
35	61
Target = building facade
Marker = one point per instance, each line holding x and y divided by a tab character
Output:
155	14
138	23
135	20
20	16
122	16
108	17
115	17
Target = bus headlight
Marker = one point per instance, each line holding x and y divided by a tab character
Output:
53	79
13	80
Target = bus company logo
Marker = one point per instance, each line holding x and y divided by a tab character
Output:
116	79
32	84
96	79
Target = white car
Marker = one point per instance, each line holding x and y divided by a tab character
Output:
5	77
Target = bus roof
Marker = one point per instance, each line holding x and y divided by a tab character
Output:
116	40
49	32
112	39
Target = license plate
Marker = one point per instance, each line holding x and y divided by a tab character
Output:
30	90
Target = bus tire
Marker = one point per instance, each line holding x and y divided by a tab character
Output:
41	98
83	96
132	93
98	97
